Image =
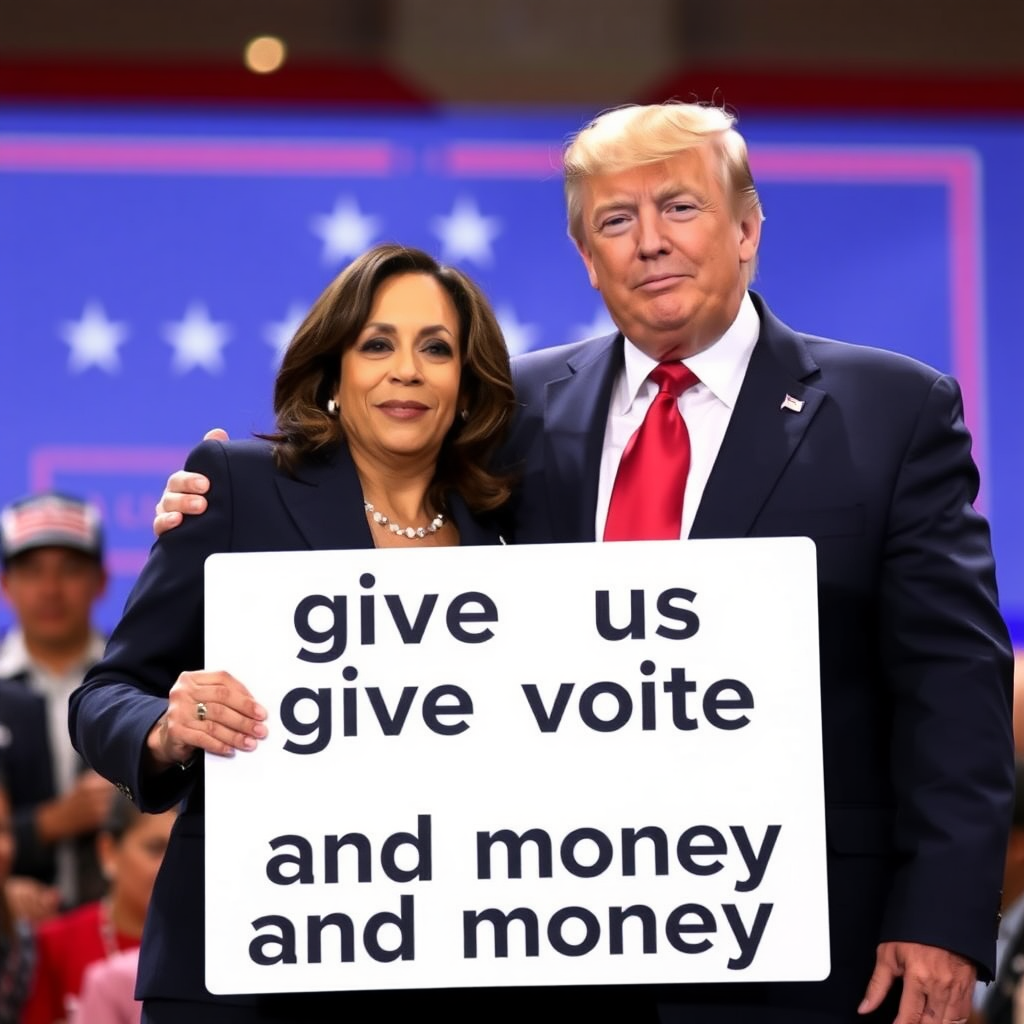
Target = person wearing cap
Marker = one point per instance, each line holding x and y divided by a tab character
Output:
51	550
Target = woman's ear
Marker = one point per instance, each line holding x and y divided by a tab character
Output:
106	855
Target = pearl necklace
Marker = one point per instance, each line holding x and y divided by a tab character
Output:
413	533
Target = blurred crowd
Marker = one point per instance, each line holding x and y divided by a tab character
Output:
1002	1002
77	859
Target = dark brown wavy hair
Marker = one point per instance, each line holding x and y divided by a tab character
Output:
309	375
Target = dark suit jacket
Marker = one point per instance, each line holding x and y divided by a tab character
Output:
253	507
26	763
916	664
27	768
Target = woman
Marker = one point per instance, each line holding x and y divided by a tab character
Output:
131	846
390	402
17	949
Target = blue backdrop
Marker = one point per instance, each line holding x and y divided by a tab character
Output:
151	265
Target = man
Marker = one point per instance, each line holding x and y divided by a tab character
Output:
52	574
861	450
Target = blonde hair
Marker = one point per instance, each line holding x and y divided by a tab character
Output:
634	135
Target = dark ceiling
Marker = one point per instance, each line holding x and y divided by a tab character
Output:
937	54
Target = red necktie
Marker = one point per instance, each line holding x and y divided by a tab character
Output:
647	499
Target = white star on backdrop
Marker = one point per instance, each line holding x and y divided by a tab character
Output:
519	337
94	340
346	231
601	324
279	333
197	340
466	234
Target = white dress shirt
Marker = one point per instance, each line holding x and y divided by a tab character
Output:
706	408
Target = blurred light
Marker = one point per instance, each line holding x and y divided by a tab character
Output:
264	54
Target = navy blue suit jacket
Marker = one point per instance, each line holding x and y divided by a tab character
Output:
253	507
916	663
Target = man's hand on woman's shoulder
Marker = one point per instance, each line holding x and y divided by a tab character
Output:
183	494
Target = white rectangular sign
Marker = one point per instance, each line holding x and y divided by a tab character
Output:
534	765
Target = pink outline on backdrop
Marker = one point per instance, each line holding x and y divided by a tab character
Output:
955	169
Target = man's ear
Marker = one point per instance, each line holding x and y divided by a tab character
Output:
588	261
749	227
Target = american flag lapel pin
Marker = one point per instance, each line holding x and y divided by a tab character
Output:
792	404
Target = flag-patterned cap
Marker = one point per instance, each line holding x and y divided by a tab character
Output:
50	521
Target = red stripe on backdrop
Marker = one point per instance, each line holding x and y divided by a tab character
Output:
746	91
92	80
331	85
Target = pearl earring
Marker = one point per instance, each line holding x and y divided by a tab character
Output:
332	407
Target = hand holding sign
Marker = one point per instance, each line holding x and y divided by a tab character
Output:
209	711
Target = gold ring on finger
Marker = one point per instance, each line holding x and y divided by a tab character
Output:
200	711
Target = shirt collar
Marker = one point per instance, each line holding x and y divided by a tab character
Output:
720	367
15	659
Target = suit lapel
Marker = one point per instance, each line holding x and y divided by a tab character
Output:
324	501
575	414
472	530
762	435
